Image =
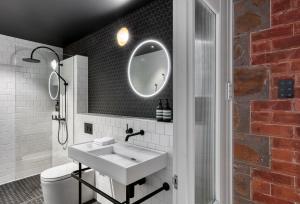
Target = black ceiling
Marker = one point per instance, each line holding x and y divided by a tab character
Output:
60	22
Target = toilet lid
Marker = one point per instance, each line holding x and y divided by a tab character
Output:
59	172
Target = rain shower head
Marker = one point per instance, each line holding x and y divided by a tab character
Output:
31	60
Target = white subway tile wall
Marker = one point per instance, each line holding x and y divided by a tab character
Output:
158	136
59	154
81	84
7	124
75	72
25	110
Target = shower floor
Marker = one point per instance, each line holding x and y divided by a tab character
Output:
25	191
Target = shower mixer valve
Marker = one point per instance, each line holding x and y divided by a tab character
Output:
58	118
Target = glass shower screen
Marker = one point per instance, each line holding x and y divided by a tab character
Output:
205	103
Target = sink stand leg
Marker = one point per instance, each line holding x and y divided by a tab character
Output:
129	193
79	184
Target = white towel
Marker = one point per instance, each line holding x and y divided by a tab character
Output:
104	141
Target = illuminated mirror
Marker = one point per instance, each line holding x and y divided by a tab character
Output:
149	68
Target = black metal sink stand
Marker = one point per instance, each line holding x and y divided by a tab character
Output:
129	188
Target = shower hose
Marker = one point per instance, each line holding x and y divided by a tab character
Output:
65	141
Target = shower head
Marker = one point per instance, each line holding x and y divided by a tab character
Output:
31	60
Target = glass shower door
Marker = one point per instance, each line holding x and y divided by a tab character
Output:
33	109
205	103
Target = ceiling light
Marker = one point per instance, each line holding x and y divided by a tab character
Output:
123	36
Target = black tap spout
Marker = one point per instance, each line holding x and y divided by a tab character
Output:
141	132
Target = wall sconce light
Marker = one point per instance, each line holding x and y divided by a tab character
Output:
123	36
54	64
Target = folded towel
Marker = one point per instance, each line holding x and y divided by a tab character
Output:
104	141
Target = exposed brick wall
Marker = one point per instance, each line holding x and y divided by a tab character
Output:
266	129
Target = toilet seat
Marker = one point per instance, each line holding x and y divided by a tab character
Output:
59	172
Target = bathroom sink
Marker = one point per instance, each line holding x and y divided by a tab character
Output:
123	163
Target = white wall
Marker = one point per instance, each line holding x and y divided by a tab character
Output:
81	84
25	124
7	123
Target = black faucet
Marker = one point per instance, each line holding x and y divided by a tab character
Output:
129	130
141	132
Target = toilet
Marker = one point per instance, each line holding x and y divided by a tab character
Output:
60	188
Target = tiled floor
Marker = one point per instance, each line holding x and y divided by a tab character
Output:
25	191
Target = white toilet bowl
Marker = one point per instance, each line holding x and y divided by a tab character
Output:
60	188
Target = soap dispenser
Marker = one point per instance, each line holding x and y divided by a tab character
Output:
159	111
167	112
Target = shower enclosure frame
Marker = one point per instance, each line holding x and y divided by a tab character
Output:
183	82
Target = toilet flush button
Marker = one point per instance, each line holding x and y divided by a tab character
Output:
88	128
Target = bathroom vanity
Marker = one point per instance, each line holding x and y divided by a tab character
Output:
124	163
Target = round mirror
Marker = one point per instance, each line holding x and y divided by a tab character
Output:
53	86
149	68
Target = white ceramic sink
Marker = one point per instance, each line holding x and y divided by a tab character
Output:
122	162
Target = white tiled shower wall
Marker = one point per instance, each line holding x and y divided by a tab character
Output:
75	72
25	110
59	153
158	136
7	123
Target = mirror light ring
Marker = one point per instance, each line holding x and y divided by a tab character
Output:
168	72
49	85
